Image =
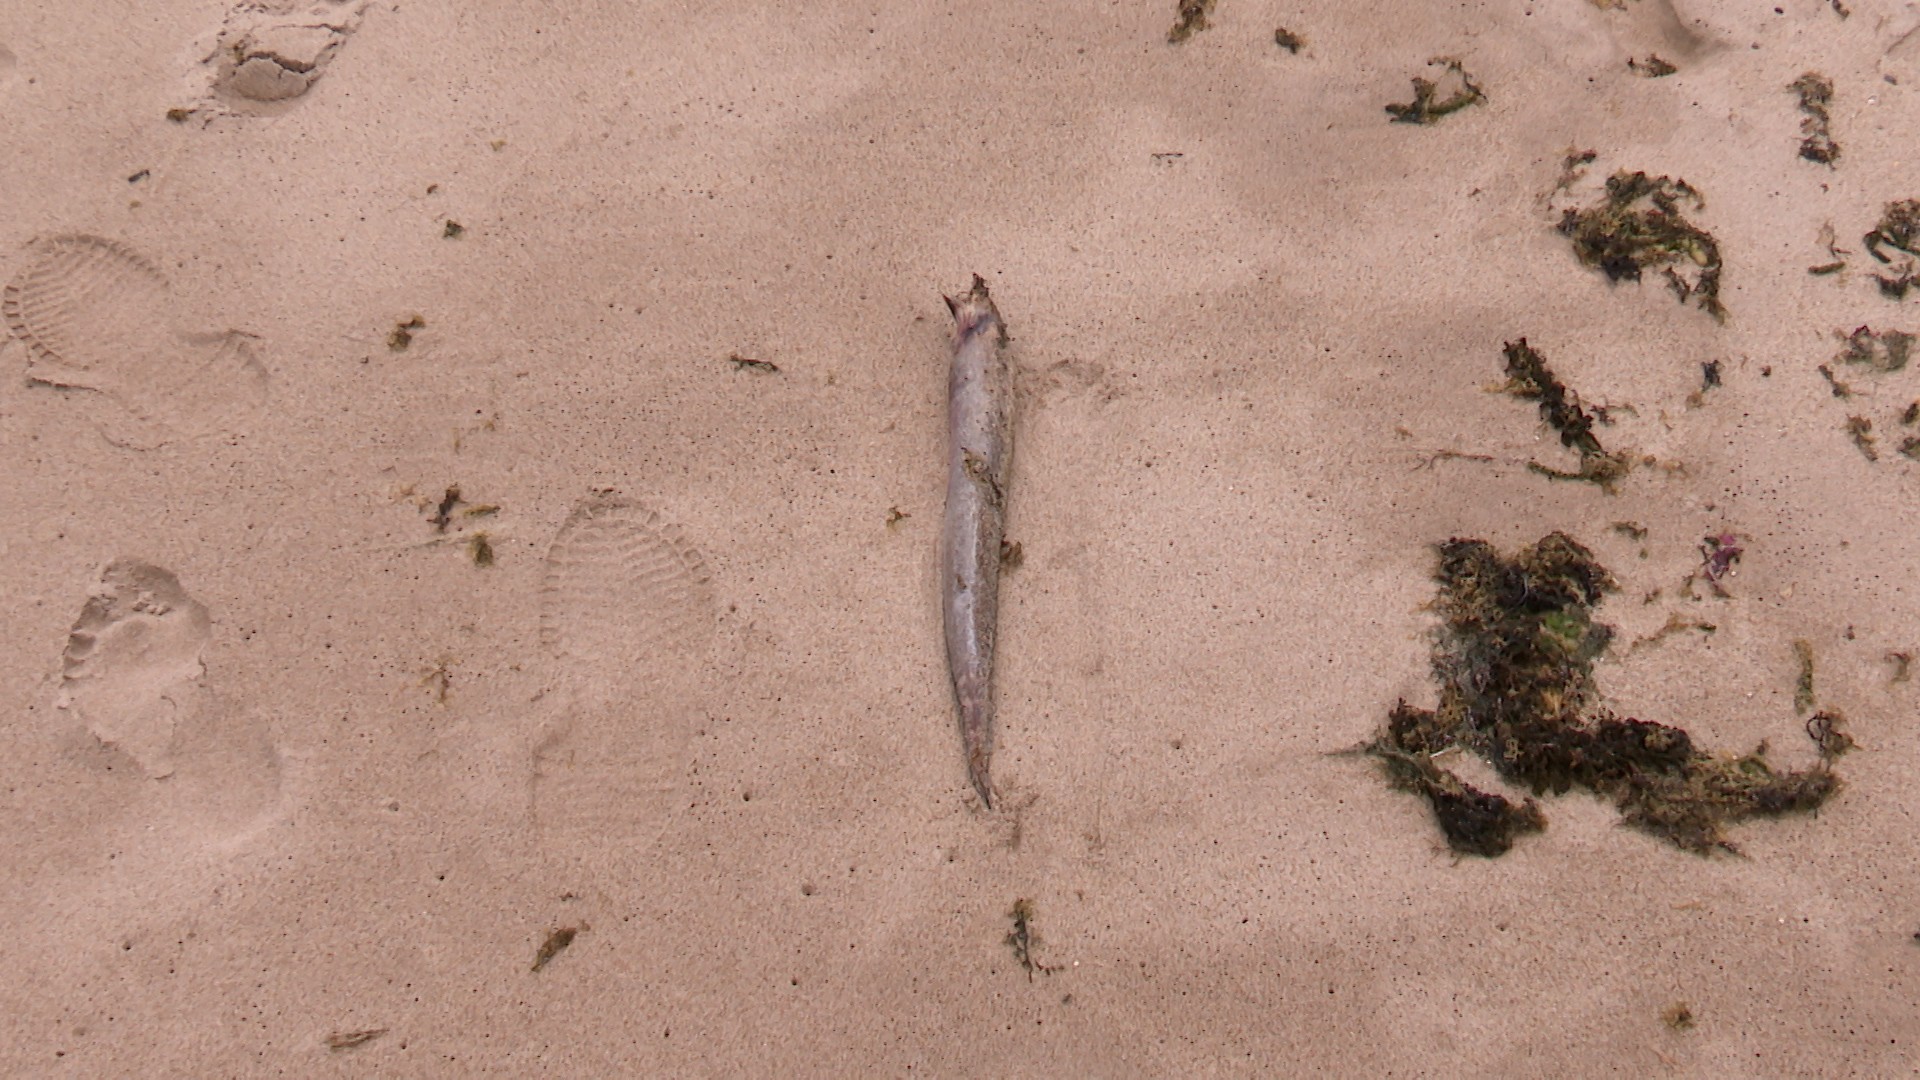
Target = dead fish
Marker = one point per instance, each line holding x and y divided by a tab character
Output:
980	449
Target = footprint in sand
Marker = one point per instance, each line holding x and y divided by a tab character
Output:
96	315
132	674
267	55
627	616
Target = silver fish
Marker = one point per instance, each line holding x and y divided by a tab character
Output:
980	449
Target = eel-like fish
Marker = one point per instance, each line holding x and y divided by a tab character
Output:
980	430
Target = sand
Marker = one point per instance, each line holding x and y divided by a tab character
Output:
294	785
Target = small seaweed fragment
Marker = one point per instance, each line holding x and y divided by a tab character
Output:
1022	940
1897	287
1514	657
1899	229
1816	93
1605	471
178	115
348	1040
1678	1016
555	944
1803	682
1529	377
1718	554
1438	456
1651	68
1573	169
1710	379
1676	624
1860	430
1632	530
402	335
1836	253
443	514
748	363
1840	389
1882	351
1902	666
1428	105
439	678
1638	224
1012	555
895	516
480	549
453	230
1824	728
1193	19
1289	40
1910	447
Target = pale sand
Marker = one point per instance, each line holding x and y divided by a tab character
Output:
308	772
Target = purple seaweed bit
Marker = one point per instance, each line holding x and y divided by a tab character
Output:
1720	553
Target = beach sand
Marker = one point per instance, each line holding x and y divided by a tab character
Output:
295	785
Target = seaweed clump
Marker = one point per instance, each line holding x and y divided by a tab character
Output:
1638	225
1529	377
1816	93
1193	19
1879	352
1514	658
1428	104
1899	229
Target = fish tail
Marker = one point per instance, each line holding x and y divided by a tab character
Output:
977	772
976	731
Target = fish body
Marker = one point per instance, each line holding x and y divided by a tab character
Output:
979	452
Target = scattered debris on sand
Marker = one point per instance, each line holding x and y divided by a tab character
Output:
1880	351
1875	353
